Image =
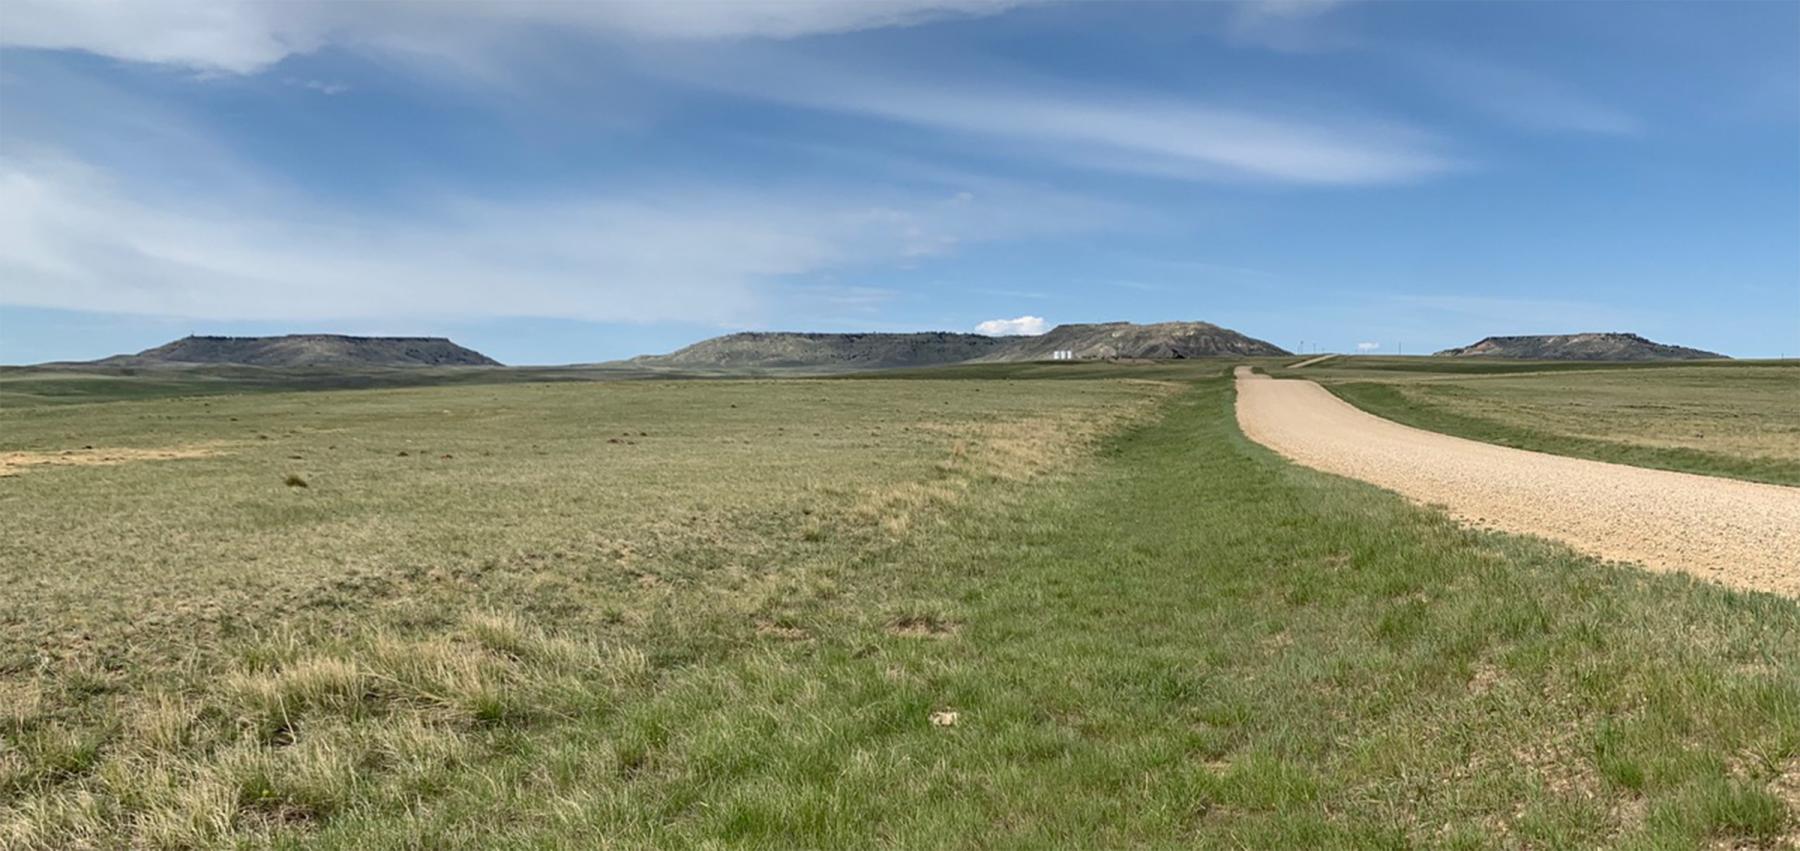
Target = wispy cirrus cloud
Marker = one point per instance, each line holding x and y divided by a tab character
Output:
1509	92
74	236
1103	129
1109	130
243	38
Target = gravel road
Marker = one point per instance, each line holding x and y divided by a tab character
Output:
1742	534
1311	361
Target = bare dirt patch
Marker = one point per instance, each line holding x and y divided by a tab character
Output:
12	463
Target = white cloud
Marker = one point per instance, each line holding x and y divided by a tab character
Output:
1367	347
1023	326
246	37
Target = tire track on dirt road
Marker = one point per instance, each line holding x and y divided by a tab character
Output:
1741	534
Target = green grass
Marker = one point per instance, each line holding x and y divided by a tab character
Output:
1723	419
1468	366
29	386
735	632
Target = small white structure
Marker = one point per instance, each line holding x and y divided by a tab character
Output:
1063	354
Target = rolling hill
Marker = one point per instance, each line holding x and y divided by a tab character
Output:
1592	346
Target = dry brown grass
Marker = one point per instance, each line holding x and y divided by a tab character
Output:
13	463
1007	450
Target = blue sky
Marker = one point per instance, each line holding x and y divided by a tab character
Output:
555	182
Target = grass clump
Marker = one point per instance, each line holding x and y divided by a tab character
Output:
269	702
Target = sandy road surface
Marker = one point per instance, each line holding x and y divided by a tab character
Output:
1742	534
1311	361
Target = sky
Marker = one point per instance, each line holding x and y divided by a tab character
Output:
555	182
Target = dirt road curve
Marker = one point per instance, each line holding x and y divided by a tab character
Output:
1742	534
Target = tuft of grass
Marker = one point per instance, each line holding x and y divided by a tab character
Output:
270	703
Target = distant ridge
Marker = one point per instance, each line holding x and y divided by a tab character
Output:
306	350
796	350
790	349
1598	346
1156	341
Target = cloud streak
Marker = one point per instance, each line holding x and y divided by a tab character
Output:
1099	129
74	237
1104	130
247	37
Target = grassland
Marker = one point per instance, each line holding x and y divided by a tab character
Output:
1723	419
727	613
32	386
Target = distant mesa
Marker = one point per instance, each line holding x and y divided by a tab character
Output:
1595	347
1108	340
332	350
751	350
789	349
1157	341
